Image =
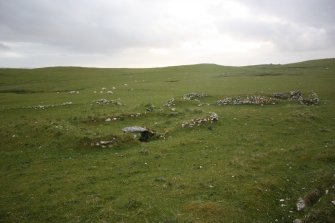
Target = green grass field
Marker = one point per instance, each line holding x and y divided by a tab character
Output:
250	166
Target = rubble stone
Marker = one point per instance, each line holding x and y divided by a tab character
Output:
213	117
193	96
249	100
106	102
170	103
313	99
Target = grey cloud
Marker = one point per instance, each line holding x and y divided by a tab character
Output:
285	36
87	26
4	46
313	12
303	25
63	30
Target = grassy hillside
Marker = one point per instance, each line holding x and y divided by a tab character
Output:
252	165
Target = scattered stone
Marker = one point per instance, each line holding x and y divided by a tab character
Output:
109	92
149	107
297	221
106	142
333	202
42	107
213	117
66	103
170	103
106	102
73	92
193	96
116	117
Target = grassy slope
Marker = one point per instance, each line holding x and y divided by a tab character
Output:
236	170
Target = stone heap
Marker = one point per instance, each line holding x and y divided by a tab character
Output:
213	117
296	95
292	95
311	99
193	96
249	100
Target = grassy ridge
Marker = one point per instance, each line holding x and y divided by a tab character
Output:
236	170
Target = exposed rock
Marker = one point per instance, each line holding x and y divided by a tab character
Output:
145	133
134	129
301	204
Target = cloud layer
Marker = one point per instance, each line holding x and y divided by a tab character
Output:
145	33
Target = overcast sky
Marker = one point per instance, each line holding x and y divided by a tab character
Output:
150	33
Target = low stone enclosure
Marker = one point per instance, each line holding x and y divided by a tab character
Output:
145	134
294	96
114	118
